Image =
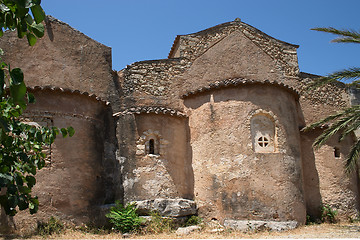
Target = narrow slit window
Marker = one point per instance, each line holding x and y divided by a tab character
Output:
336	152
151	146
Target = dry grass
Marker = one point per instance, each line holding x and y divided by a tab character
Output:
340	230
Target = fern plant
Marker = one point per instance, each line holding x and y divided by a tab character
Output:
124	219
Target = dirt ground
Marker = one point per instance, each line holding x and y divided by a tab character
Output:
340	230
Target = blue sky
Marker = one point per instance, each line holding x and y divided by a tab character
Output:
139	30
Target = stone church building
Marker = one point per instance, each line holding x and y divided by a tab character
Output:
218	122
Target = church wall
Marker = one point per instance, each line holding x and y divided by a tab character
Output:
233	180
325	180
73	183
65	58
161	166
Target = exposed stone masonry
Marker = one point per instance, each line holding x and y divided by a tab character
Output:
151	77
334	94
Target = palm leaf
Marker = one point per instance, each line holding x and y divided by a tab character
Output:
346	36
330	118
332	130
351	74
353	157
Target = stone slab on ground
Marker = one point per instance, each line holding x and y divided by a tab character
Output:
167	207
251	225
186	230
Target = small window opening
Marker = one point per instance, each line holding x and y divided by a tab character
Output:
151	146
263	141
336	152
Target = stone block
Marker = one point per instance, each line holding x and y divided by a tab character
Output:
167	207
252	225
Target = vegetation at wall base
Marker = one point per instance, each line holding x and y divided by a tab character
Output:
124	219
21	145
328	214
348	120
52	226
159	224
193	220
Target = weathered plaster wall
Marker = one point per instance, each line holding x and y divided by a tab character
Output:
168	172
75	180
325	180
65	58
231	180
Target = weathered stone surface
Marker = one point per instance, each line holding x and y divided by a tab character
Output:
186	230
167	207
252	225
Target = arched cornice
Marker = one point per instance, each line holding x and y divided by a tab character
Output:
151	109
240	82
67	91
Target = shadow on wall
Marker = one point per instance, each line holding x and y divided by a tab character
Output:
310	177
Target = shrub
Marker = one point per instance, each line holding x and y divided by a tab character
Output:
193	220
328	214
124	219
53	225
159	224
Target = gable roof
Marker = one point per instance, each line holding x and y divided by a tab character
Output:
237	23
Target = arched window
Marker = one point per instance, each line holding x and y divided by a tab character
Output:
263	133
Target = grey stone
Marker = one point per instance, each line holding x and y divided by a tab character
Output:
167	207
186	230
251	225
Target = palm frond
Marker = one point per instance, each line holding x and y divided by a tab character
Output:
347	74
353	157
348	36
351	74
349	129
332	130
331	118
346	40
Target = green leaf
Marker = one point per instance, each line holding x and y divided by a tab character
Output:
19	180
29	20
38	13
31	98
11	189
23	204
17	76
38	29
2	82
71	131
24	189
31	39
21	11
18	93
12	201
30	181
9	21
64	132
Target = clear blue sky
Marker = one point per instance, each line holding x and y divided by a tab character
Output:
139	30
